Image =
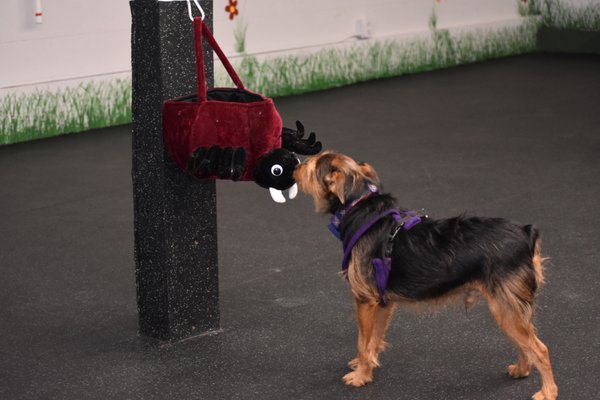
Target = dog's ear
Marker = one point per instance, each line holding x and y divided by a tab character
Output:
335	182
369	172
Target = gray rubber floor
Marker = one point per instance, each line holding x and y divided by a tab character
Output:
516	137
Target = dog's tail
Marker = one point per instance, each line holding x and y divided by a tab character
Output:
535	246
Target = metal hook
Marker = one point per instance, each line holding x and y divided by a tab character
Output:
189	4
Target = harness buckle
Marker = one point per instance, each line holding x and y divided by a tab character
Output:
407	220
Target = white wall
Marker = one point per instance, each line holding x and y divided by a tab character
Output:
81	39
77	39
287	24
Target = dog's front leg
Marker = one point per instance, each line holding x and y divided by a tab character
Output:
366	315
383	317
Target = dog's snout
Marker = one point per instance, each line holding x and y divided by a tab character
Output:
298	172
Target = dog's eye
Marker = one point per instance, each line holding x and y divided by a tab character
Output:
277	170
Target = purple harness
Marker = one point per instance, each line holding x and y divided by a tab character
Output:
405	221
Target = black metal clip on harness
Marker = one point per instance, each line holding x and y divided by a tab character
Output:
407	221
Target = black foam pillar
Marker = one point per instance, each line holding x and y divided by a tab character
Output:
174	215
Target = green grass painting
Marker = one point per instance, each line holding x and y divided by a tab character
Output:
560	14
106	103
239	34
529	8
49	113
293	74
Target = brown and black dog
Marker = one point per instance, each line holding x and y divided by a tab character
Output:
398	257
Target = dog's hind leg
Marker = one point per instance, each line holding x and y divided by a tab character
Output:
522	368
514	314
366	314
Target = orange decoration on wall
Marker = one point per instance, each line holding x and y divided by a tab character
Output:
232	9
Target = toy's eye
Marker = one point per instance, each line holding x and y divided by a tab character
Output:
277	170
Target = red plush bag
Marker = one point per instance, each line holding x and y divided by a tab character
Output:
224	117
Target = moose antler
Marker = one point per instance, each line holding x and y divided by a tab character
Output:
292	141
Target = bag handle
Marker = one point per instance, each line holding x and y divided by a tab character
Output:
200	29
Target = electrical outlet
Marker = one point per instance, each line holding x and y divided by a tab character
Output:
361	28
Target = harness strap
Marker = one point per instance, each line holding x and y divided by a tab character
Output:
348	246
383	266
334	225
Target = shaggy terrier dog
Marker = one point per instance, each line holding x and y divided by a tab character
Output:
394	256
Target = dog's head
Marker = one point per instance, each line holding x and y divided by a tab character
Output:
333	179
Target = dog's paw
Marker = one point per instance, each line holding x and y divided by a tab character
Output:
515	371
373	361
357	379
543	396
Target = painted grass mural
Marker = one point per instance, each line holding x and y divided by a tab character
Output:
100	104
528	8
49	113
293	74
564	15
108	103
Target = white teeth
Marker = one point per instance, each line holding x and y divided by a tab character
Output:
276	195
293	191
